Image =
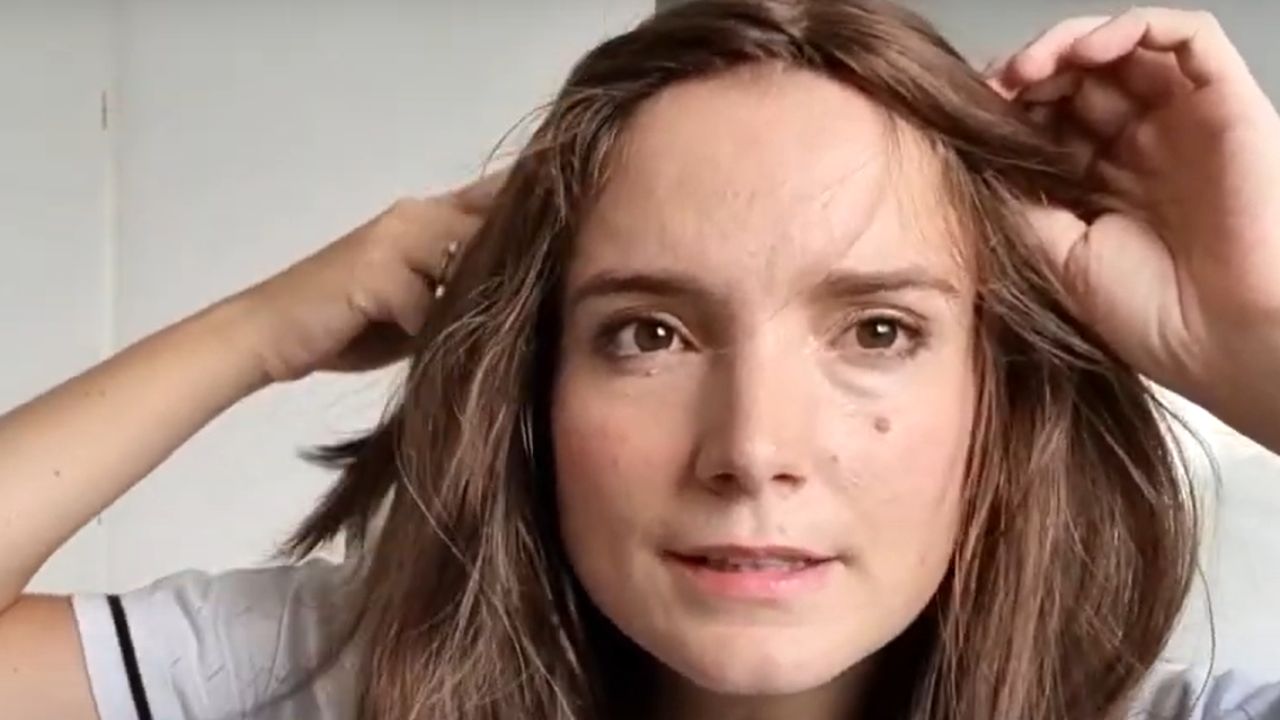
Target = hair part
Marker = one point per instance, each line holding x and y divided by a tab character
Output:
1078	531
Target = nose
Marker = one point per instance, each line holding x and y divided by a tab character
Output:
756	433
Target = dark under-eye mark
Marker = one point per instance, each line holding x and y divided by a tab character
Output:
882	424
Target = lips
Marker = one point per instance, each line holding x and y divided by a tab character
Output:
724	564
763	573
744	557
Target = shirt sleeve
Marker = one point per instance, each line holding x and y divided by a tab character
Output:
1182	693
243	644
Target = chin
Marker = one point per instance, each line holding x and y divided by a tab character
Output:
755	662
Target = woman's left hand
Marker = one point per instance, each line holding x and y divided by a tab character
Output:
1185	284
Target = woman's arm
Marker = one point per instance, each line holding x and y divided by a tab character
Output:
69	453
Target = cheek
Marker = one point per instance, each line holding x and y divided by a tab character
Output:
618	457
909	473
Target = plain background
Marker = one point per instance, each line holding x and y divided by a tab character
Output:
156	156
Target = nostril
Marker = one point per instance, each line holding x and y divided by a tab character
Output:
727	485
788	478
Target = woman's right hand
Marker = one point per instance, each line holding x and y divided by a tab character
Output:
357	303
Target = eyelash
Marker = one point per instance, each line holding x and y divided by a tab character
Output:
913	332
608	334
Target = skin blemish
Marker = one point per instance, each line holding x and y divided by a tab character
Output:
882	424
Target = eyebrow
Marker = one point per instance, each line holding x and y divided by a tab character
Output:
847	283
839	284
662	284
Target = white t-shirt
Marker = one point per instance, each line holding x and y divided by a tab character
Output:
201	647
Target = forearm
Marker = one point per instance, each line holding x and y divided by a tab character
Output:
68	454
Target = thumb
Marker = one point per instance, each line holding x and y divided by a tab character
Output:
1067	243
1062	238
1119	278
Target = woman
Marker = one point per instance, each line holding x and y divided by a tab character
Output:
779	379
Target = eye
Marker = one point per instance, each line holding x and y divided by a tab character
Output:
641	337
881	334
877	333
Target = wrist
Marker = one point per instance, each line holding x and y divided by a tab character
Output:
1243	395
234	327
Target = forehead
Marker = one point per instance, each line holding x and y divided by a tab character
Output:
769	175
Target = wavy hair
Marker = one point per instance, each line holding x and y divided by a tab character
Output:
1077	541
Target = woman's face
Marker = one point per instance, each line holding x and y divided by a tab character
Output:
766	389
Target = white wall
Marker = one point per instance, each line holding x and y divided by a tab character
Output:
245	136
54	159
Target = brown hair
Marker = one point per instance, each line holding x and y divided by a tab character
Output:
1078	536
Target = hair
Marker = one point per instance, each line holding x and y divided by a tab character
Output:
1078	529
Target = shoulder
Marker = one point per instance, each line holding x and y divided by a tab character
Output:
1177	692
244	643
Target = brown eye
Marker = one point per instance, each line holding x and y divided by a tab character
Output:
640	337
652	336
877	334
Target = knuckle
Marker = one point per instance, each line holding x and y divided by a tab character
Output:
1089	22
364	301
1145	138
404	215
1206	19
404	205
1076	275
462	227
1139	144
376	253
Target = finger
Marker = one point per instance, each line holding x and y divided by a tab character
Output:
1203	51
1081	147
1151	77
1122	186
1044	117
407	298
1102	108
1001	88
429	253
994	74
477	197
1042	57
378	345
1140	147
1060	236
1053	88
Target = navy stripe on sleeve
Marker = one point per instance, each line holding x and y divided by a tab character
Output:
130	657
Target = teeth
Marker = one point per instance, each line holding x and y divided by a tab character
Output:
754	564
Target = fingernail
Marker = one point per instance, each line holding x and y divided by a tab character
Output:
995	68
